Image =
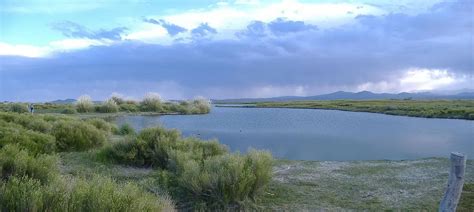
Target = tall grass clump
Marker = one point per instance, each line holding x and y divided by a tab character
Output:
19	108
151	103
126	129
203	175
101	124
15	162
35	142
108	106
226	181
201	105
69	110
77	194
77	135
84	104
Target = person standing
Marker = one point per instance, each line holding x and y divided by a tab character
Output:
32	108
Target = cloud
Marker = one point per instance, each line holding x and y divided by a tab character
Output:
277	27
172	29
202	30
419	79
74	30
369	52
281	26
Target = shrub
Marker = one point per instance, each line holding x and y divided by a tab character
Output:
33	123
69	194
77	136
151	103
19	108
101	124
198	173
224	181
117	99
108	106
201	106
69	111
126	129
84	104
35	142
17	163
129	107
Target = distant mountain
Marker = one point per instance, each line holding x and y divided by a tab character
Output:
363	95
63	101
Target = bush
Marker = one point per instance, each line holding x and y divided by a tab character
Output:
224	181
129	107
18	163
19	108
101	124
201	106
118	100
69	111
33	141
77	136
201	173
109	106
126	129
151	103
68	194
84	104
31	122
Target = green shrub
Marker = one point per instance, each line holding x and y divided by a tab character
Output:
21	194
151	103
34	142
77	136
108	106
101	124
31	122
19	108
126	129
69	194
224	181
127	107
84	104
17	163
198	173
118	100
201	106
69	110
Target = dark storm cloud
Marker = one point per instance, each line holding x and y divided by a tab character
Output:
74	30
172	29
371	50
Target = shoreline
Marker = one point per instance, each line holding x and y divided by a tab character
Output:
345	110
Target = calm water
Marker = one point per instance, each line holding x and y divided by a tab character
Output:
307	134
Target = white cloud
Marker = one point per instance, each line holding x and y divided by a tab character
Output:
23	50
419	79
231	18
53	47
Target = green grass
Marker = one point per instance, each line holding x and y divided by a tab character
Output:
451	109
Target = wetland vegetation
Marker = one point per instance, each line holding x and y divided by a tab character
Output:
450	109
52	161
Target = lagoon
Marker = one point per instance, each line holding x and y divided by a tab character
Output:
313	134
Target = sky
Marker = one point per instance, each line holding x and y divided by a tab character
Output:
232	49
